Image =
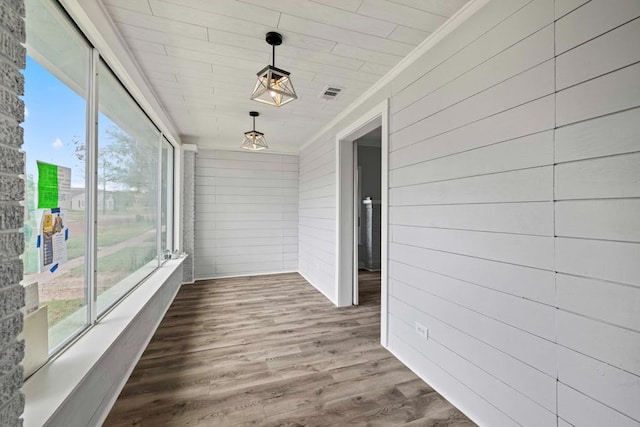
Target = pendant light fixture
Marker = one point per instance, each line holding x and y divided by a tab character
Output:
254	140
274	86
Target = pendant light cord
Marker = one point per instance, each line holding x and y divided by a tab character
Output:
254	123
273	55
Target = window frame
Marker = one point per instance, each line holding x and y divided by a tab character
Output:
90	201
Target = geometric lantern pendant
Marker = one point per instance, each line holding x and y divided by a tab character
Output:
274	86
254	140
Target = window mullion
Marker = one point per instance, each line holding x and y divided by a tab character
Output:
159	205
91	188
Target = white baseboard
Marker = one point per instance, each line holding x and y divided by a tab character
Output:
231	276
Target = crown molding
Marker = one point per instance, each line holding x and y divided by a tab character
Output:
434	38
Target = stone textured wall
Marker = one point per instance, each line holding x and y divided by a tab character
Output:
12	60
189	214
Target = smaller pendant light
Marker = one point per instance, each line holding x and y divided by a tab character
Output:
254	140
274	86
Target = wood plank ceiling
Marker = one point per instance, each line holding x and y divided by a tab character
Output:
201	58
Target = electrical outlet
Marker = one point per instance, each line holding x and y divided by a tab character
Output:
422	331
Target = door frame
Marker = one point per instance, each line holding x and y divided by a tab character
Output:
345	234
356	225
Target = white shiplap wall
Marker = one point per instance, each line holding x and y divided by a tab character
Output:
471	251
317	215
597	213
246	213
514	237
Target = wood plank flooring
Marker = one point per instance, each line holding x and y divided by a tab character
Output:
271	350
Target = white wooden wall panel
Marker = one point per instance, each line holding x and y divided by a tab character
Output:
580	410
519	89
312	184
316	272
324	247
611	344
526	152
476	407
315	233
606	177
256	183
321	159
319	223
217	164
604	95
617	133
591	20
324	255
600	259
456	149
524	120
318	203
525	218
610	302
254	225
207	187
318	171
317	215
316	193
565	6
247	156
518	407
244	173
522	377
597	185
254	191
514	60
532	317
248	259
526	185
604	54
524	282
235	241
270	200
240	250
610	219
441	66
317	178
513	200
212	208
246	213
531	251
608	385
291	264
317	212
528	348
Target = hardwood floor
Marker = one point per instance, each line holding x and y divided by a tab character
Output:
271	350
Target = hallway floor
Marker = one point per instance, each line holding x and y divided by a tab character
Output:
271	350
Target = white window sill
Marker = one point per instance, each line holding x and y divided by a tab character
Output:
47	389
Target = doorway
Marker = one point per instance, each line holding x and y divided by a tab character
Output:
347	202
367	207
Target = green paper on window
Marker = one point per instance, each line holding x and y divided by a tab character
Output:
47	186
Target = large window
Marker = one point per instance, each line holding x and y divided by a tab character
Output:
75	271
128	165
56	88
